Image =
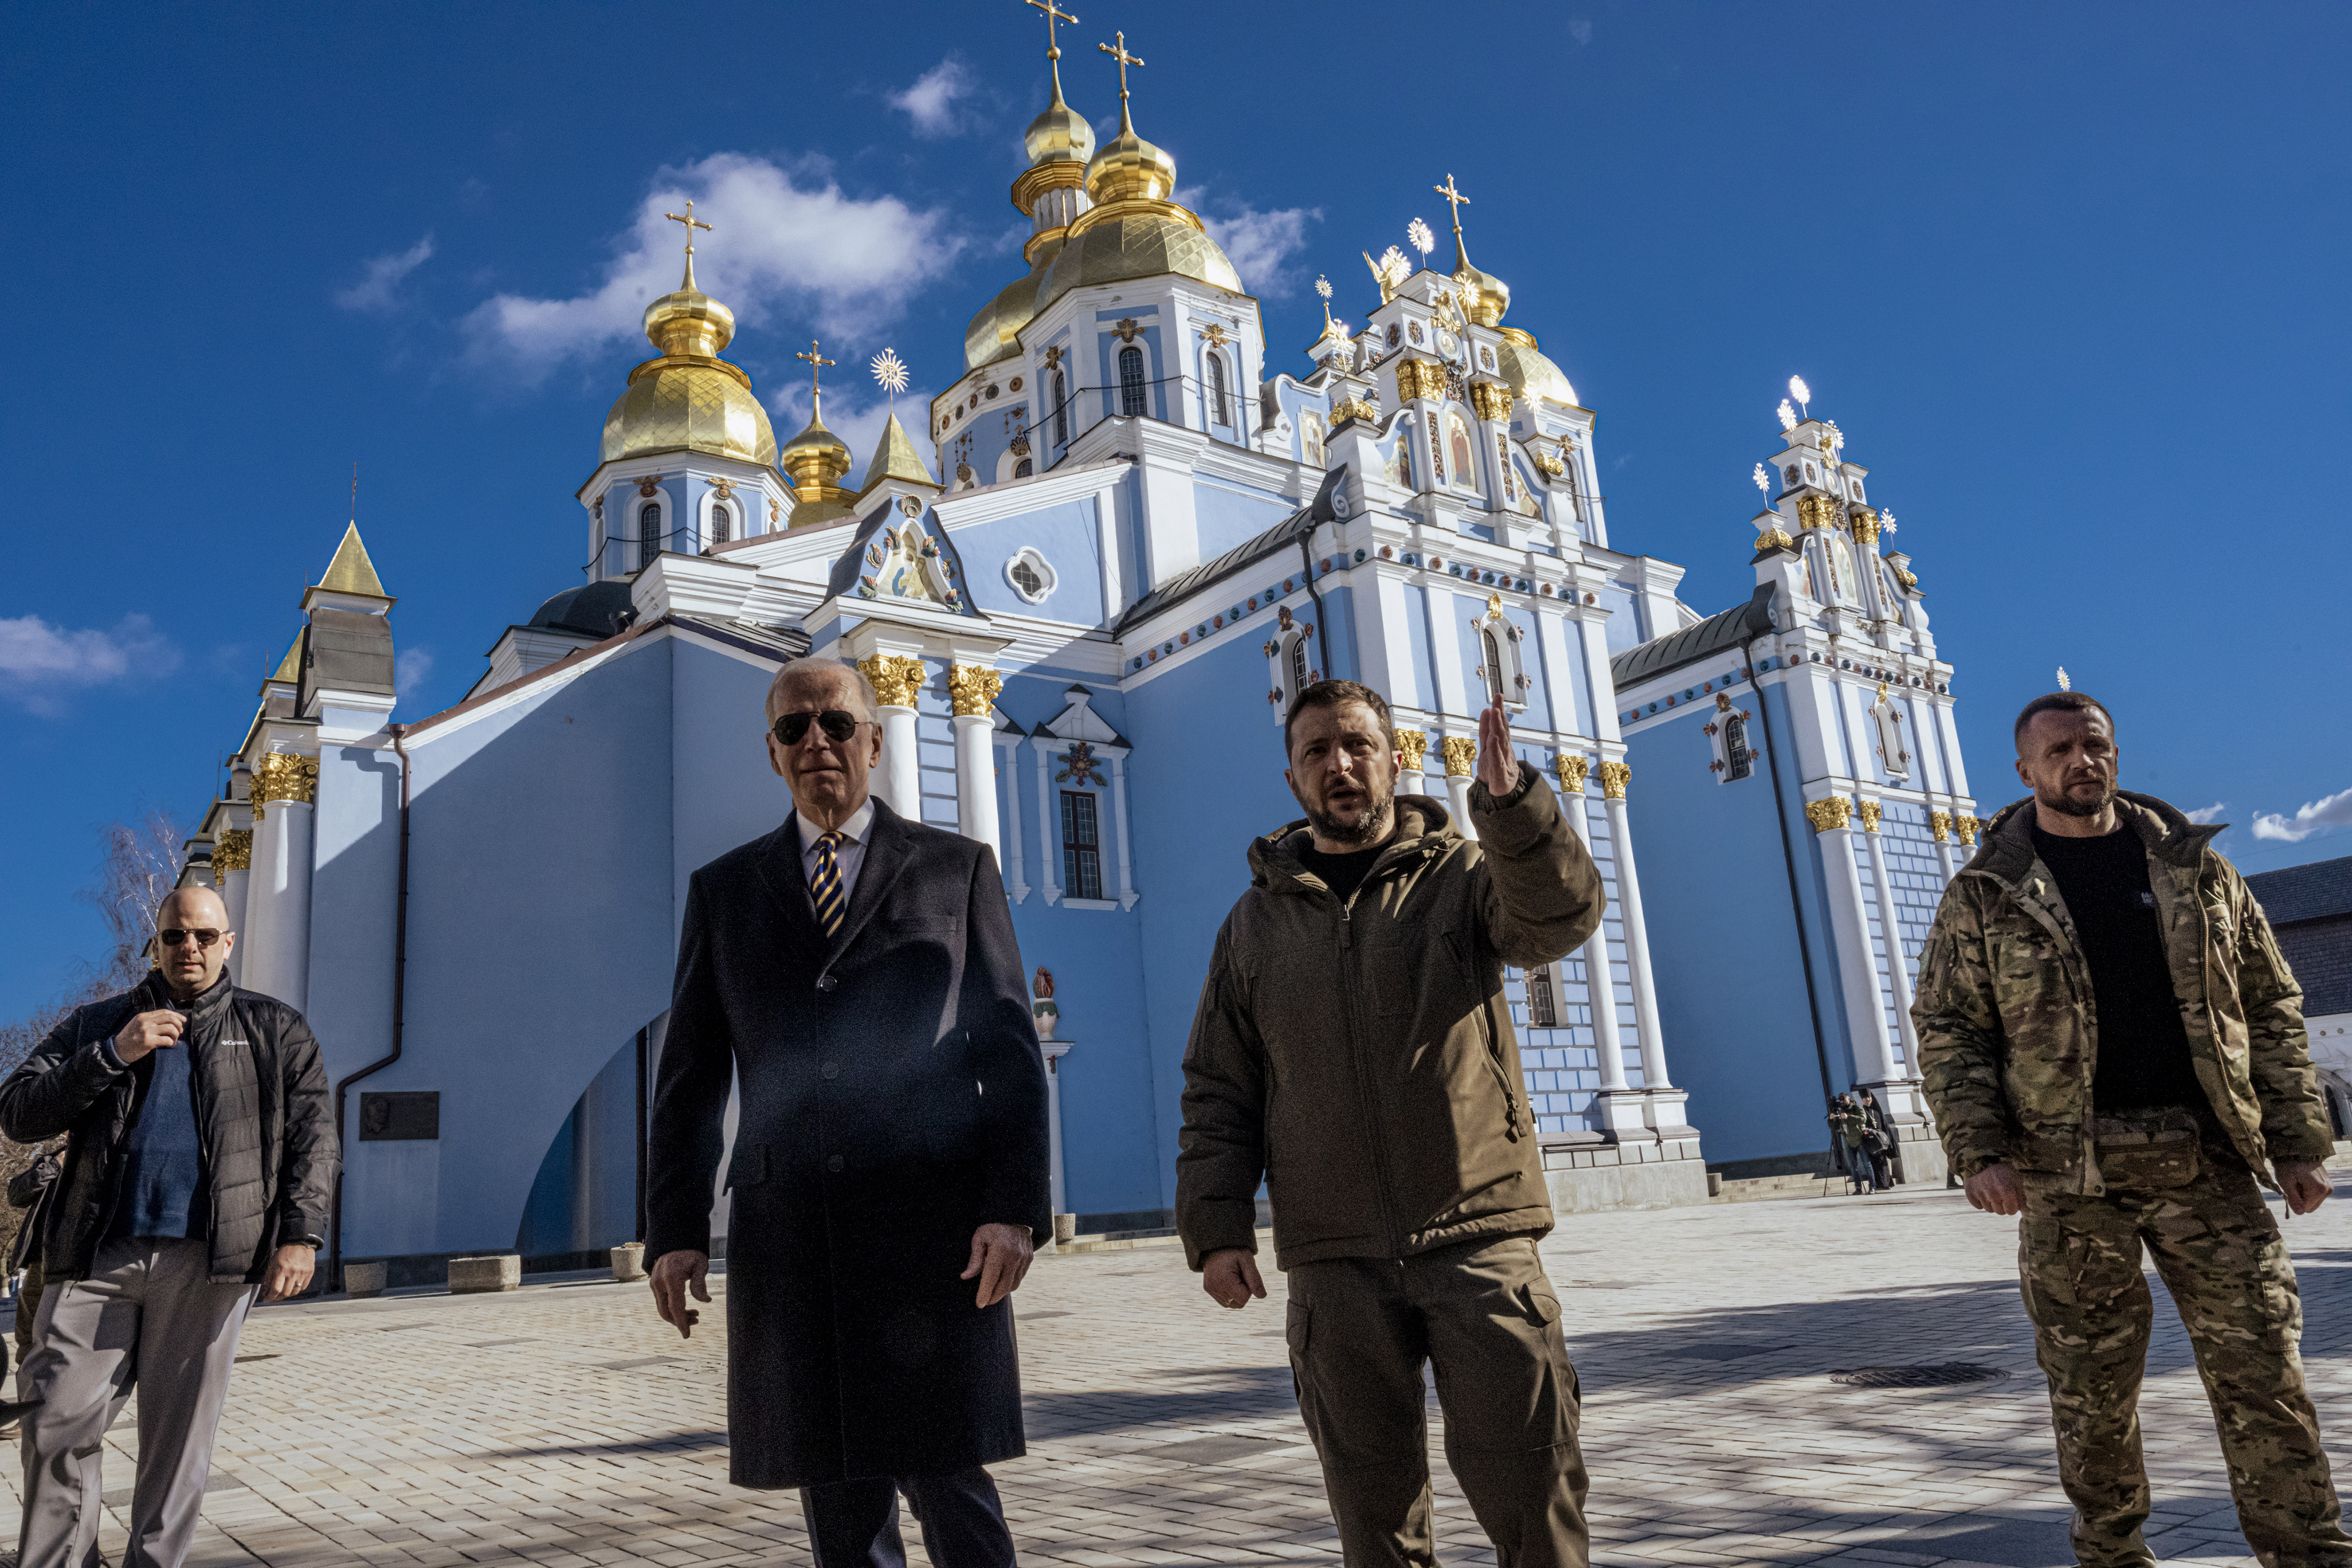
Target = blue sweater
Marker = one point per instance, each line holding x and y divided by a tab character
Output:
162	1191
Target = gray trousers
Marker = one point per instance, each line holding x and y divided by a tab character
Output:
150	1316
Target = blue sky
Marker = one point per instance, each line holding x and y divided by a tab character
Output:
2072	280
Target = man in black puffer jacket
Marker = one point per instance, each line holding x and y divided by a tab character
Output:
200	1164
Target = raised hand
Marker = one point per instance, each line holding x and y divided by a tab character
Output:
1498	768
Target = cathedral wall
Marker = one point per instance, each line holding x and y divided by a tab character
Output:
1228	517
1731	980
1070	539
355	899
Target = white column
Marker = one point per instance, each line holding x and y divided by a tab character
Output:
233	892
1874	1053
1599	978
1127	894
895	679
1049	842
1055	1051
1614	776
1414	746
1461	758
972	690
284	785
1892	930
1015	870
1943	831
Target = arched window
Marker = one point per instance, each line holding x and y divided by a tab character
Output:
1543	1010
1061	409
1491	647
1131	380
1299	672
1739	761
1022	469
1457	440
722	525
1220	409
649	529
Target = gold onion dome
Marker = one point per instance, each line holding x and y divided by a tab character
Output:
995	331
1061	134
815	460
1532	375
1484	295
690	399
1133	230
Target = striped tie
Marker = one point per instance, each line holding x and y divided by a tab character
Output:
832	904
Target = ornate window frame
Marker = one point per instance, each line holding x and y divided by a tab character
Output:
1037	563
658	504
1107	778
1729	739
1290	661
1886	735
1503	673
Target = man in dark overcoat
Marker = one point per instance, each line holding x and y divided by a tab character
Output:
856	975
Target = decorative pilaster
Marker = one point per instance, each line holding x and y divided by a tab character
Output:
1008	742
1940	823
1619	1108
1614	777
1413	751
1966	827
1461	762
1872	1048
282	775
896	678
1571	767
278	959
232	875
971	689
1870	812
1890	931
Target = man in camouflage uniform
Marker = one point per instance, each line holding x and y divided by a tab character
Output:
2114	1047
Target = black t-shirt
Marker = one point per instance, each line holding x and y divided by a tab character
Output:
1340	873
2143	1044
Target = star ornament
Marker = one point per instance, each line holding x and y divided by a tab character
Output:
1799	390
1788	415
1761	482
1418	233
890	372
1323	287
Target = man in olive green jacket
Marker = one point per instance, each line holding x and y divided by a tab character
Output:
1353	1049
2114	1047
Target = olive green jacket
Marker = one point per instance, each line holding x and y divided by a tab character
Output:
2009	1030
1359	1060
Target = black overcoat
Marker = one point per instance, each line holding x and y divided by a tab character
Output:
892	1101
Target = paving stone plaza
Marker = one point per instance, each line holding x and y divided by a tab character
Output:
563	1424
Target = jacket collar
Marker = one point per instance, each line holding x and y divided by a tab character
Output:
202	1011
2008	850
1423	828
886	845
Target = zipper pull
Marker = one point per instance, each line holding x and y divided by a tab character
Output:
1347	929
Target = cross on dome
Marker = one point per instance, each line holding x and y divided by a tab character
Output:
816	363
1124	60
1053	12
692	222
1454	199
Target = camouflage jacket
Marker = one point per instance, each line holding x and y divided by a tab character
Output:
2009	1033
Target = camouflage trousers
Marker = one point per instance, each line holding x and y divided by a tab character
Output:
2219	1252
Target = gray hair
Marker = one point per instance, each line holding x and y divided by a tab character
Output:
800	668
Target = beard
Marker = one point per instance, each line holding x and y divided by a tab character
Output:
1372	825
2065	804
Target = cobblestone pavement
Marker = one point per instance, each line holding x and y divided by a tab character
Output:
565	1424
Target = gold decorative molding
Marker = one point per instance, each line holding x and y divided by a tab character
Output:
1571	767
1968	826
1818	511
1549	460
1348	408
1830	812
1413	745
1870	812
1909	580
1614	777
1775	537
1865	527
896	678
972	689
1460	756
1490	400
1419	378
233	850
1940	823
281	776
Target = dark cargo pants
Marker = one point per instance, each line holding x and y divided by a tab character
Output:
1483	1314
2219	1252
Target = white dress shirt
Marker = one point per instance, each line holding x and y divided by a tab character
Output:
848	856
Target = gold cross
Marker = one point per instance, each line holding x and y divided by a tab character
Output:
1454	199
1124	59
1053	46
691	222
816	362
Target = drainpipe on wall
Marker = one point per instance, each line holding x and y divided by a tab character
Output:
399	1011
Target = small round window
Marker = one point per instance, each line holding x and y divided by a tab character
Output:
1031	574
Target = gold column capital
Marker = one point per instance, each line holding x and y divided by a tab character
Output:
973	688
1940	823
1419	378
282	775
1413	745
1348	408
1614	777
1865	527
233	850
1818	511
1571	766
1968	826
1490	400
1460	756
1870	812
896	678
1830	812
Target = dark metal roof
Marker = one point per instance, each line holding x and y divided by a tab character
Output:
595	610
2306	892
1733	629
1288	532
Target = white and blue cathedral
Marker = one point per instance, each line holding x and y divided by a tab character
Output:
1082	617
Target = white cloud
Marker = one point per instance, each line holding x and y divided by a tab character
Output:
1581	30
2334	811
410	665
931	102
41	665
2206	815
382	275
788	239
1257	243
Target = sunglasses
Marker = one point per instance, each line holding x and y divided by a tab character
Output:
836	723
175	935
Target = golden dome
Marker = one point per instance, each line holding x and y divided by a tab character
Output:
994	333
1136	240
1484	295
816	459
1128	168
1532	375
1061	134
690	399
